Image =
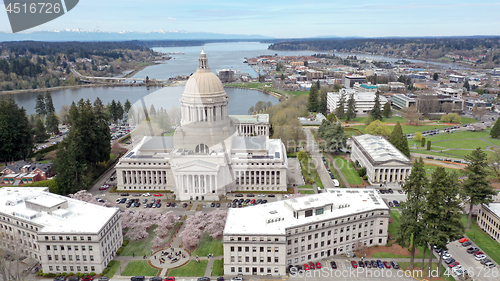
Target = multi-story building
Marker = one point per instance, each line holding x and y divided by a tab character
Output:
383	161
265	239
351	79
22	172
435	103
488	219
363	100
63	234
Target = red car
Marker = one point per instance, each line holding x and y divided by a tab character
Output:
171	278
88	278
252	201
354	264
104	187
168	204
311	265
157	194
387	264
306	266
462	240
453	264
478	253
318	265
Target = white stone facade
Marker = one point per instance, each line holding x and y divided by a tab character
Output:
265	239
363	101
384	163
488	219
63	234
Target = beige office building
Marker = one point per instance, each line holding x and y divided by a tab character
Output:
488	219
63	234
265	239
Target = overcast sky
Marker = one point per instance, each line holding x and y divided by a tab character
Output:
285	19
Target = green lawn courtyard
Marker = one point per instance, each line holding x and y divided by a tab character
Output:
209	245
307	191
218	268
139	267
140	247
191	269
483	240
347	170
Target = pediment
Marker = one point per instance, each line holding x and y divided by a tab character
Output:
197	166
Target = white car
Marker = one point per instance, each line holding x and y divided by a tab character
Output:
118	200
480	257
446	256
146	194
489	265
457	270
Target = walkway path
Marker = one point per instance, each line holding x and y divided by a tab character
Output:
312	147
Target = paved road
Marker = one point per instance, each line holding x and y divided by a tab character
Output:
468	262
312	147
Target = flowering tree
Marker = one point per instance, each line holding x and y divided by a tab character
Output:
212	223
216	221
139	222
164	223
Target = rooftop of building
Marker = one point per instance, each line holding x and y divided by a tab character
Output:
276	217
379	149
494	208
257	118
78	217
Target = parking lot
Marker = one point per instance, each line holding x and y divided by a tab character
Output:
474	268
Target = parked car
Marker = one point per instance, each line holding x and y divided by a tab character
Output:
450	260
361	264
453	264
157	195
271	195
124	194
155	278
466	243
306	266
212	205
333	264
311	265
88	278
489	265
146	194
484	261
368	264
395	265
354	264
60	278
250	195
472	250
380	264
390	204
238	195
462	240
220	278
318	265
480	257
396	203
205	279
104	278
386	264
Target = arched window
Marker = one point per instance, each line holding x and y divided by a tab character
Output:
201	148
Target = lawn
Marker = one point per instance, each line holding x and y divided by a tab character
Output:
192	269
445	154
347	170
305	186
113	269
483	240
140	247
139	267
252	85
393	227
218	268
464	144
429	169
407	129
297	93
209	245
393	119
306	191
317	179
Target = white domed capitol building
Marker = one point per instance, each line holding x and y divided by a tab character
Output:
211	152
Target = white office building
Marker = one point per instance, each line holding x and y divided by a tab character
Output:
363	101
384	163
265	239
63	234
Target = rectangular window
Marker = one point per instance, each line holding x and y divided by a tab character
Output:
49	257
63	257
77	257
232	248
76	248
54	247
83	248
84	257
56	257
309	213
91	258
90	248
276	260
70	257
319	211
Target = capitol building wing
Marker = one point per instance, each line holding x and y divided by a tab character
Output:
211	152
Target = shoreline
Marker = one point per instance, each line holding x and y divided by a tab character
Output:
276	95
15	92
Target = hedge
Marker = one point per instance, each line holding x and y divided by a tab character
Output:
125	242
120	250
47	149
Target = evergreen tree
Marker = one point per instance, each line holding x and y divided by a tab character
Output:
102	139
312	105
376	112
16	141
112	111
399	140
323	103
52	123
495	131
387	112
435	76
40	132
40	105
49	106
152	111
340	110
411	232
126	108
119	111
351	109
477	188
334	136
466	85
443	211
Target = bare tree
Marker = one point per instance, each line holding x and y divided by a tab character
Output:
428	104
479	112
447	107
413	115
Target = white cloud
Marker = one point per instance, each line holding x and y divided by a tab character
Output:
170	18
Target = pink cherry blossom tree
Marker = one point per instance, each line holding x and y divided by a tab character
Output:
216	221
139	222
165	223
193	230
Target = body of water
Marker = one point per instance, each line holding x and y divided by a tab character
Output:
240	100
231	55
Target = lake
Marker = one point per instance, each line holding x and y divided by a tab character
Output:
240	100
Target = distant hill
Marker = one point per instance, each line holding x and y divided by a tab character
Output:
94	35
